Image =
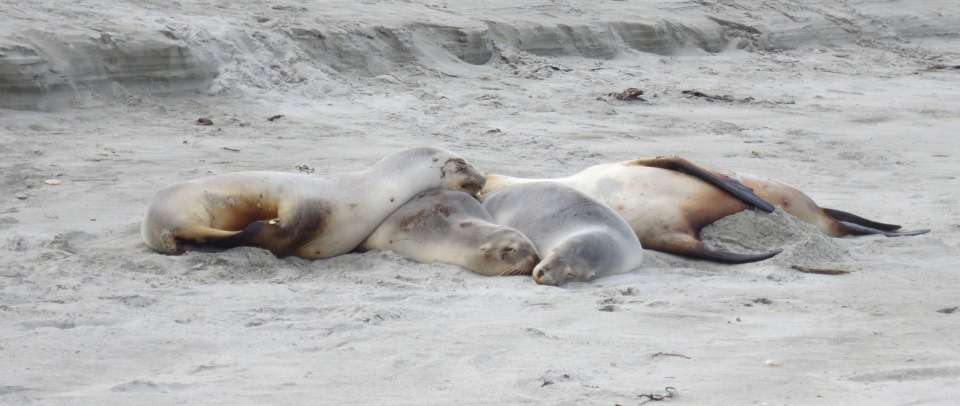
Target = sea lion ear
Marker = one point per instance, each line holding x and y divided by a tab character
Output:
436	158
485	247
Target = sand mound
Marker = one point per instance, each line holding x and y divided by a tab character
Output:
756	231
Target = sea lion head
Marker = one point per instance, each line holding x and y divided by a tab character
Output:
508	252
458	174
578	259
555	270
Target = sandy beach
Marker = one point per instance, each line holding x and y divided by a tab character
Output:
857	103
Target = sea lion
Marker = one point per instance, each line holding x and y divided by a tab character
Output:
668	200
297	214
578	237
452	227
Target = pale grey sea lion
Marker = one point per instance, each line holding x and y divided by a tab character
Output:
452	227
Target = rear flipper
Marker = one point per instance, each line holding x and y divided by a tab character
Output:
853	218
856	229
853	224
725	183
687	245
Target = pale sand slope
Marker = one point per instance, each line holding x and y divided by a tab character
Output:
843	107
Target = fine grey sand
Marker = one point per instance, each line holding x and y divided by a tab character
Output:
856	103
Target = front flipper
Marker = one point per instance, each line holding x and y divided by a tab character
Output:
725	183
705	251
687	245
266	234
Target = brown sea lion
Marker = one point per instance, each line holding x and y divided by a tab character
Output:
297	214
668	200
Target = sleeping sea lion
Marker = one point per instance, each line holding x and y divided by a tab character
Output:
668	200
298	214
578	237
453	228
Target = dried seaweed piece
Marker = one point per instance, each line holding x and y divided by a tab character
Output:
671	392
819	271
628	95
669	354
940	66
204	121
696	93
304	169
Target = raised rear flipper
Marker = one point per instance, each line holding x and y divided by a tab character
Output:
725	183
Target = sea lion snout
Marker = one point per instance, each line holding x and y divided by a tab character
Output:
512	251
458	174
474	183
547	274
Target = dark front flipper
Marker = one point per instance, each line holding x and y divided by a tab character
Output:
687	245
721	255
855	219
266	234
856	229
725	183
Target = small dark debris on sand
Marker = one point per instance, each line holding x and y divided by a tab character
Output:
276	117
231	149
204	121
819	271
670	392
304	169
941	66
669	354
948	310
725	98
628	95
